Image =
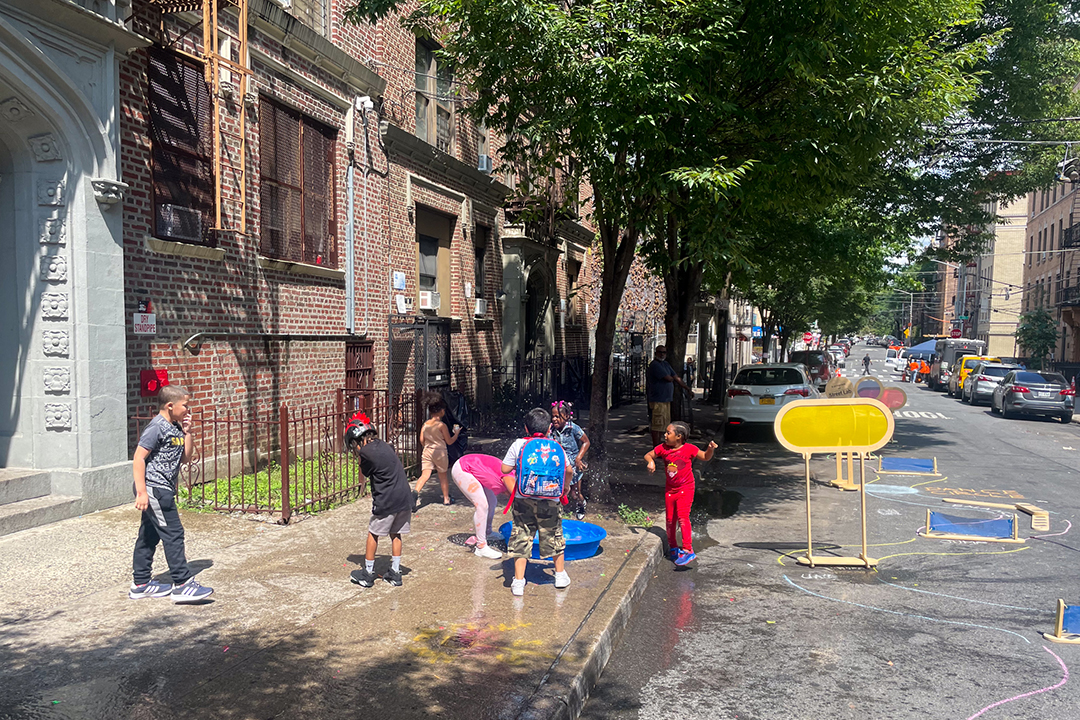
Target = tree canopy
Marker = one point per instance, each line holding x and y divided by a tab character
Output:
1037	333
708	126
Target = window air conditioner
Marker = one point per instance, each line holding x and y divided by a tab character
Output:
179	223
481	307
429	300
485	164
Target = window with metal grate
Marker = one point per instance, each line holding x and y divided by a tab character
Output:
435	91
181	148
296	171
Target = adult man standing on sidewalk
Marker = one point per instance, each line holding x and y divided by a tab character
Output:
661	388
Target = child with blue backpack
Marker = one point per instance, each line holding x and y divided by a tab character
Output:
538	486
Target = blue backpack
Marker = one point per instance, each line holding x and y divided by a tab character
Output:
541	469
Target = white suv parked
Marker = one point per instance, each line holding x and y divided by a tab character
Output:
759	391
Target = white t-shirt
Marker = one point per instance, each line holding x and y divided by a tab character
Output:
512	455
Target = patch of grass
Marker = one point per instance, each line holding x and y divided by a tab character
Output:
262	489
638	517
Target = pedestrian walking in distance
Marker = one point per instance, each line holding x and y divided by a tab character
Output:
163	446
866	364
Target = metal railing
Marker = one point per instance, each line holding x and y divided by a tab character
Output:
113	10
285	460
1069	295
627	379
1070	237
496	390
1068	369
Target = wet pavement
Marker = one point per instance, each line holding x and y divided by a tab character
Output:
286	635
941	629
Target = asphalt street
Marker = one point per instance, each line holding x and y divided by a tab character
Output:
941	629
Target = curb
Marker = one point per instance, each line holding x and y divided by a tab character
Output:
564	689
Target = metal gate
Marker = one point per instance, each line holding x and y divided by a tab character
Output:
419	353
360	371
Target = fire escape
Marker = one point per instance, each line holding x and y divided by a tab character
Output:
228	145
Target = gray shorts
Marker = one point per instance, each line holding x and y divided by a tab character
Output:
395	524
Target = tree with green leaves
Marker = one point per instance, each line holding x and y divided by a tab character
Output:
696	122
601	84
808	122
1037	334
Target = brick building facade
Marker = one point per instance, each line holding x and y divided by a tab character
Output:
272	305
1051	271
353	191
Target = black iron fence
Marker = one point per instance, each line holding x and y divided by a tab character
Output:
1069	369
496	392
627	379
284	460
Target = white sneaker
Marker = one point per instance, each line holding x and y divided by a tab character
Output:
561	579
517	587
486	551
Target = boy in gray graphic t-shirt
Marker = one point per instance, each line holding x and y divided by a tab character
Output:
163	445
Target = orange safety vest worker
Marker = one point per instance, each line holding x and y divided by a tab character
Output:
924	368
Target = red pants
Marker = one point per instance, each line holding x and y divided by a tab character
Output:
678	502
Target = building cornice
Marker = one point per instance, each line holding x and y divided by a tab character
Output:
270	18
85	24
404	144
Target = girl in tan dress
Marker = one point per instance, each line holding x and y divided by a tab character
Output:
434	437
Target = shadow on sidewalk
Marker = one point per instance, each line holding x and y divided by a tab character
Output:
444	670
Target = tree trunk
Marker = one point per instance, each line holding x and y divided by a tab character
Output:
682	283
768	324
618	254
785	337
719	378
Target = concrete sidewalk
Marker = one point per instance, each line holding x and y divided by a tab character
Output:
287	635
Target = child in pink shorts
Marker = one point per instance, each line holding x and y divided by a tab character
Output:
480	479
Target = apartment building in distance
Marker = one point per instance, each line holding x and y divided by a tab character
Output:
981	297
998	277
1051	276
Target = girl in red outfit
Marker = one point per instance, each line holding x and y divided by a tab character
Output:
678	457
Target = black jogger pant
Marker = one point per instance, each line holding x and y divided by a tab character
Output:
160	521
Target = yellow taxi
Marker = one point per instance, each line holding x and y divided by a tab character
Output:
963	367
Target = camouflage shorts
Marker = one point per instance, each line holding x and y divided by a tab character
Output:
533	516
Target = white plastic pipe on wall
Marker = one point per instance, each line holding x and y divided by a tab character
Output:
350	225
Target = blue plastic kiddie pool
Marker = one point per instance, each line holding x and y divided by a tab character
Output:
582	539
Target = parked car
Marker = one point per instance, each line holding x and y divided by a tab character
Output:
758	392
980	384
839	359
1030	392
818	362
892	356
964	366
947	353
